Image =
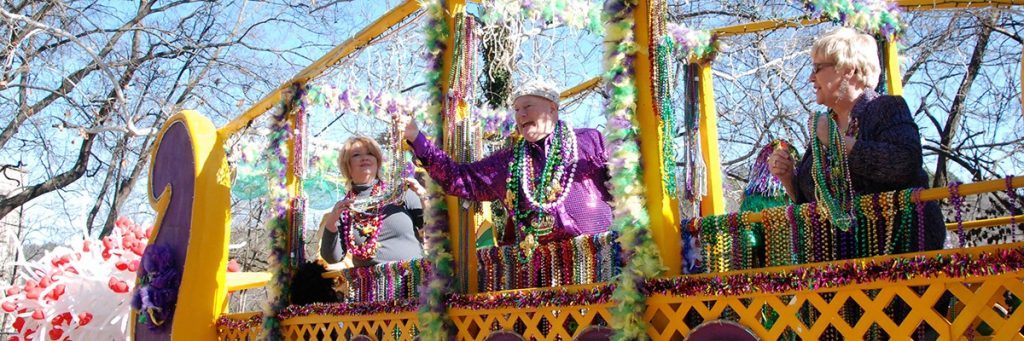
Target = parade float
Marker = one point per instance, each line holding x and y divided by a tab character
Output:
821	278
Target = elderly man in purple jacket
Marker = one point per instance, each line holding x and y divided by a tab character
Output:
551	180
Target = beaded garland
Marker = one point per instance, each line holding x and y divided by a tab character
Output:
877	17
956	265
385	282
690	44
534	299
576	14
282	242
432	315
798	234
579	260
631	220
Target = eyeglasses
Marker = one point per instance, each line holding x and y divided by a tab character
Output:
819	66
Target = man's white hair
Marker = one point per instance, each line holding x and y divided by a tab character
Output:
537	87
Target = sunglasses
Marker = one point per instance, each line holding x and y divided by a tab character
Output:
819	66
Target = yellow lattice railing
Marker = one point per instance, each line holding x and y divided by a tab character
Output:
672	317
980	304
383	327
543	323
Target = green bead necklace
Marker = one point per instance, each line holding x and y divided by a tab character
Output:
833	193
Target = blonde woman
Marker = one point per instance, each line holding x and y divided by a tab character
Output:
386	233
881	139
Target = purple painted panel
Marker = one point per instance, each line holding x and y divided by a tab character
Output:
721	330
173	165
595	333
504	335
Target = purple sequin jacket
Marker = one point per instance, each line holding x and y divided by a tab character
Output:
585	210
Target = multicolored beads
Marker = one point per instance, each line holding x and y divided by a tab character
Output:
580	260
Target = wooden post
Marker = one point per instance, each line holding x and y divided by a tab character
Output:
661	207
893	78
460	219
713	202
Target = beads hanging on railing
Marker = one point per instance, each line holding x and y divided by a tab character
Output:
798	234
392	281
580	260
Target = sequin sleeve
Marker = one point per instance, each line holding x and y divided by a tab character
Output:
483	180
888	146
592	147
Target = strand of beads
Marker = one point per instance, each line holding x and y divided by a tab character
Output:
919	208
834	193
798	232
776	243
747	235
1014	200
544	258
722	243
735	241
957	201
559	185
816	230
888	204
906	218
876	214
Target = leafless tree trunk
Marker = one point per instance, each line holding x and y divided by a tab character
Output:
949	130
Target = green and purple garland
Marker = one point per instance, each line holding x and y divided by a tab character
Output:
433	315
640	255
691	44
576	14
281	207
876	17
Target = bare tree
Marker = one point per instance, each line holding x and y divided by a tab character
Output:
78	79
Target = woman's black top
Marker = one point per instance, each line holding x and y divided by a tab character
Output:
886	157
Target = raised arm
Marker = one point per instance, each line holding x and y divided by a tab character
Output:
484	180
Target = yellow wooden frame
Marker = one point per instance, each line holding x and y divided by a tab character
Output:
663	214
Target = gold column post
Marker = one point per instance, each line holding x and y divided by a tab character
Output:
460	220
713	202
893	78
662	208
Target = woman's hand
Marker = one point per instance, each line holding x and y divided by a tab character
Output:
331	218
781	165
411	130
